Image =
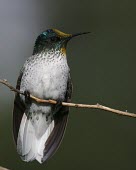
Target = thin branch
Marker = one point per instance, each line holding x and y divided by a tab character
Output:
2	168
6	83
96	106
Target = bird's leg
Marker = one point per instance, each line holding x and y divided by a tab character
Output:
27	97
57	107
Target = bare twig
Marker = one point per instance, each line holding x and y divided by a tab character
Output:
96	106
6	83
2	168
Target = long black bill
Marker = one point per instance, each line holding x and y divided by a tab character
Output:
74	35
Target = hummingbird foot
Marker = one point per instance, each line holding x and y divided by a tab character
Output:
27	97
57	107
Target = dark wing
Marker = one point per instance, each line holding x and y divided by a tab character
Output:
60	119
18	110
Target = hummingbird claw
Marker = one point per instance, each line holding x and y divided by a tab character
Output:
58	104
57	107
27	96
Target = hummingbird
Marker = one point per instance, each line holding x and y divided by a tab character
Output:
38	128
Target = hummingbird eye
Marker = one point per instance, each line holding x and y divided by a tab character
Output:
49	30
55	39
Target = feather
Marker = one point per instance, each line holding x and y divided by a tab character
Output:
38	139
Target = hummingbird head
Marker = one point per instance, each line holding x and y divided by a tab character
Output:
53	39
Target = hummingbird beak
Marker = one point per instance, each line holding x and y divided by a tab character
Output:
74	35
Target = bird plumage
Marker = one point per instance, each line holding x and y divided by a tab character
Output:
39	128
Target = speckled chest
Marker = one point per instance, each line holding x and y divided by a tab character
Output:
46	75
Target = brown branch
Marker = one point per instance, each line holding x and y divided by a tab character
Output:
6	83
2	168
96	106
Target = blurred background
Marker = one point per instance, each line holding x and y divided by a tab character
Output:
103	71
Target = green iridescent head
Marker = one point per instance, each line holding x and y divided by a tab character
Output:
52	39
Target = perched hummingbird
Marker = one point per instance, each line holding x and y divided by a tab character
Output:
39	128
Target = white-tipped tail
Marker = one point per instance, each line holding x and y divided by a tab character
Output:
31	142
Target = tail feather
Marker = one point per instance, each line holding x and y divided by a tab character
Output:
26	143
30	143
41	142
54	140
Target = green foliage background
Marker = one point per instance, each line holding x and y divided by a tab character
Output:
103	71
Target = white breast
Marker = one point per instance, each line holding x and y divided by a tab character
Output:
46	77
